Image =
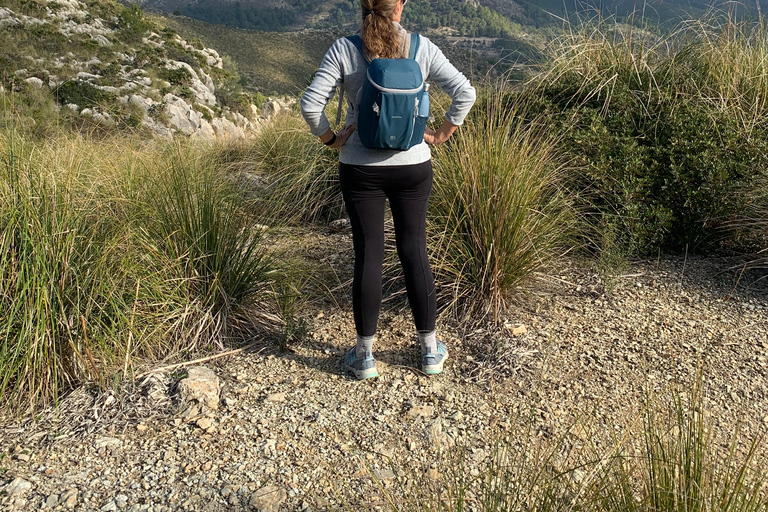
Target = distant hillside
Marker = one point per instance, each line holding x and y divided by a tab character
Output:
487	18
479	18
284	62
270	62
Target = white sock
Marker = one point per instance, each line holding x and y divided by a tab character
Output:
428	342
364	347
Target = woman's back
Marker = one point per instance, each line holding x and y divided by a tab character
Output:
346	67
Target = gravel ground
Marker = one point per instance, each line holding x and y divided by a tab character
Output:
294	433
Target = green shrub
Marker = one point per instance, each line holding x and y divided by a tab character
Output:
82	94
663	159
53	288
178	76
133	25
115	254
195	218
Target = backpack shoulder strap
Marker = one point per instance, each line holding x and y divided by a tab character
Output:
358	42
415	39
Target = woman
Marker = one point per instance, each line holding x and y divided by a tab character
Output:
368	177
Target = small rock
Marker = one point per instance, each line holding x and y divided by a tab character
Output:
516	329
69	498
52	500
267	499
433	474
204	423
276	397
386	476
457	416
18	487
109	507
121	500
201	385
34	81
421	411
107	442
141	427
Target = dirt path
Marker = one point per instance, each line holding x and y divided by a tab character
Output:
292	428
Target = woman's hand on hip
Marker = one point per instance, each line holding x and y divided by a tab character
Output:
435	138
341	137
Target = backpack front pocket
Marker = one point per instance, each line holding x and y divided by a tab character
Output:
395	124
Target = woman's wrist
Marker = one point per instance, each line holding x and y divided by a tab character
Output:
330	141
327	136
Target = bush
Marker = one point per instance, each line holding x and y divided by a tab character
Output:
194	216
81	94
499	209
133	25
663	159
115	254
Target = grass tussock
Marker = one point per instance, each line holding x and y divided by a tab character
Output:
301	174
499	209
116	254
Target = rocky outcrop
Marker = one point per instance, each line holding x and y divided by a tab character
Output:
175	95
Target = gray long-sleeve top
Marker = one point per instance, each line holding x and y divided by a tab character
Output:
344	65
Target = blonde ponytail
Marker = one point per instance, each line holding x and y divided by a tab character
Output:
380	37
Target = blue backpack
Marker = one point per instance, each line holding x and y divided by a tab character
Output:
389	101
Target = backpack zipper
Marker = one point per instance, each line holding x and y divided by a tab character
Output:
393	91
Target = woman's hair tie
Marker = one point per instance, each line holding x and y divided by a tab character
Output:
367	12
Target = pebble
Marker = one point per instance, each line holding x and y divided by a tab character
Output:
69	498
267	499
111	506
107	442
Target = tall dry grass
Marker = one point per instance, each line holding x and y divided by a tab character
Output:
499	208
115	254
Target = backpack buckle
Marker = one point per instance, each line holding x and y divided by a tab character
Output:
376	108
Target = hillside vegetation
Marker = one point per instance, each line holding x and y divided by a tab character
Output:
284	62
100	65
120	250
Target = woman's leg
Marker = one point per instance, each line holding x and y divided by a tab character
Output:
364	199
408	194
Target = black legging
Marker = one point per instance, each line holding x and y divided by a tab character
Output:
365	189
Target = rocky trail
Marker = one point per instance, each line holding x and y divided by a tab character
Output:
287	431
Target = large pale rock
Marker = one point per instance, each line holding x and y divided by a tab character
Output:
33	80
181	115
226	129
205	131
267	499
18	487
142	102
101	40
201	385
203	94
276	106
